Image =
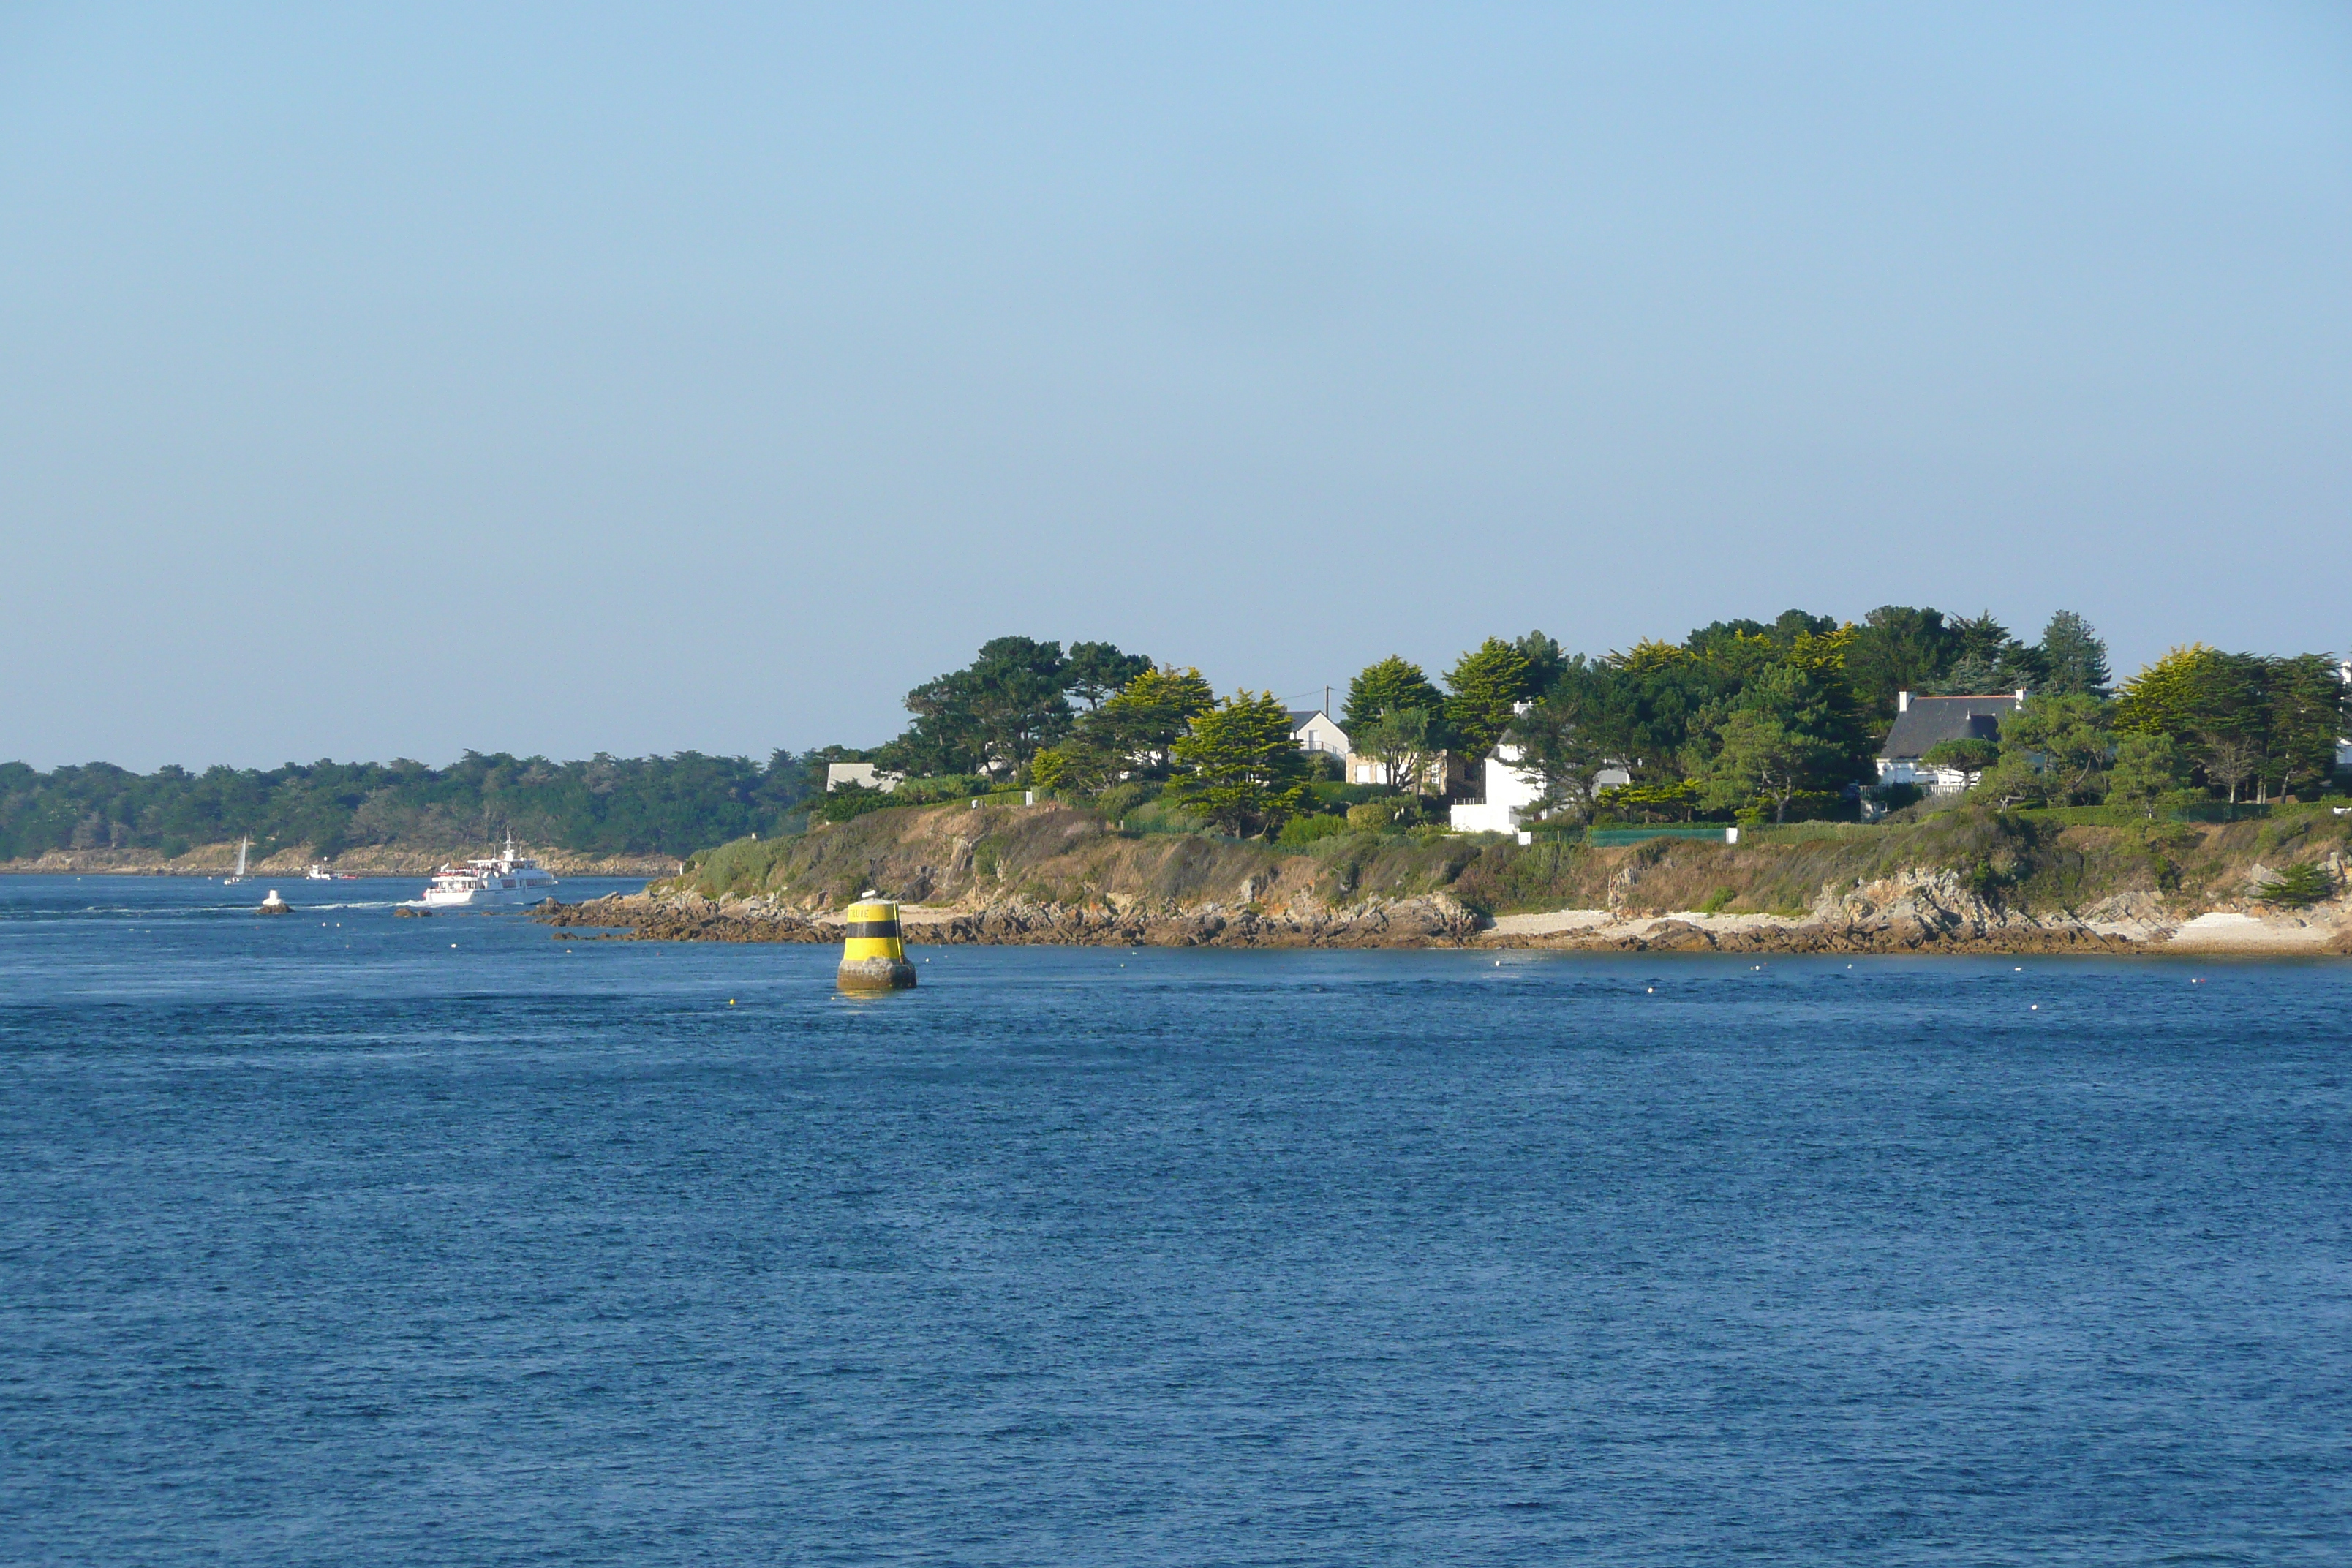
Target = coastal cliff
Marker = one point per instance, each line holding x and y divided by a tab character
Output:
1962	881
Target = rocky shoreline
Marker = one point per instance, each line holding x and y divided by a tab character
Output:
1430	921
1911	912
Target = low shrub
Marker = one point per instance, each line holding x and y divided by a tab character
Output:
941	787
1116	802
1164	817
850	802
1333	795
1300	831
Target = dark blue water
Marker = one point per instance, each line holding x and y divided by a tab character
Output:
340	1238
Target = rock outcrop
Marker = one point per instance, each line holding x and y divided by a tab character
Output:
1432	920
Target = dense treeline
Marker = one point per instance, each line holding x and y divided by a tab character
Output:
1745	719
1782	719
605	806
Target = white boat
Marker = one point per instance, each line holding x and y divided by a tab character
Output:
243	845
508	882
319	873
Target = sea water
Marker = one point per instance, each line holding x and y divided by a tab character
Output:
337	1237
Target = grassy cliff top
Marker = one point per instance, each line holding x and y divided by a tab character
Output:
1054	853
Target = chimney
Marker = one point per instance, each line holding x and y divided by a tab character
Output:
1903	702
2021	697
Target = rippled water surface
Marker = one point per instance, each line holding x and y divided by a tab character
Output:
340	1238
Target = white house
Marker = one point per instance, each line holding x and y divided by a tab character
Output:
1511	790
1921	724
2344	743
1439	772
863	774
1315	732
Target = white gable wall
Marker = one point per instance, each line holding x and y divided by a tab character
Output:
1318	734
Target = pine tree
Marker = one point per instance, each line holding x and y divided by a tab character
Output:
2175	696
1487	684
1240	766
2072	658
1389	686
2300	885
2148	772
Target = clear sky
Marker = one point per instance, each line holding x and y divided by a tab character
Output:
397	380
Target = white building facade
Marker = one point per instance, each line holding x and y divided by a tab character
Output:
863	774
1512	792
1315	730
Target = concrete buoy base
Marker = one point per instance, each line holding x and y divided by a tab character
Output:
875	975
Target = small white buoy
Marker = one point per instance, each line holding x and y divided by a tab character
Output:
2035	1008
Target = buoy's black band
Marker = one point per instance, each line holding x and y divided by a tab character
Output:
871	928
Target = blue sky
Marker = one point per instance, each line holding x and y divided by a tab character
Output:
401	380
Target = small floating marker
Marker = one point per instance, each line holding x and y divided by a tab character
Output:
2035	1008
731	1001
873	958
1653	991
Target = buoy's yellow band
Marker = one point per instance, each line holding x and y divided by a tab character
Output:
871	928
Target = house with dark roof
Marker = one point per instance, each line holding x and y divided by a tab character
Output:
1922	724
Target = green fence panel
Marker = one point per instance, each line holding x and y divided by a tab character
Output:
1606	836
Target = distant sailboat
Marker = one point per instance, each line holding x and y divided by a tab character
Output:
243	846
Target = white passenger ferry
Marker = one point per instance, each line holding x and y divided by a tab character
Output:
508	882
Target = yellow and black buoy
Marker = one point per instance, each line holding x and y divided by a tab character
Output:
872	956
